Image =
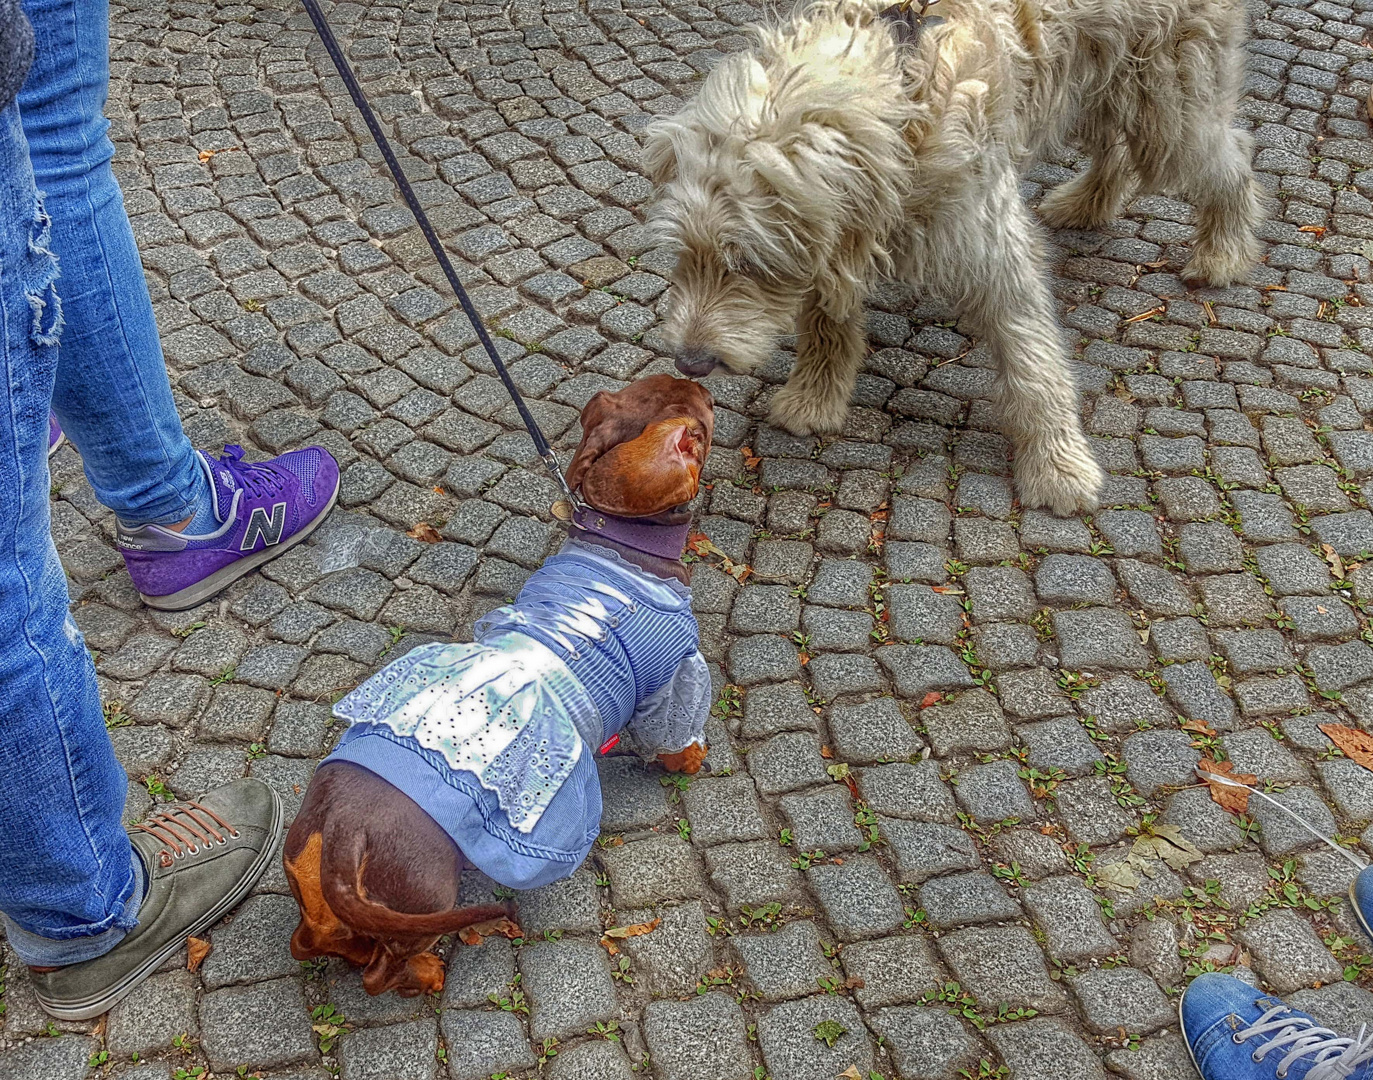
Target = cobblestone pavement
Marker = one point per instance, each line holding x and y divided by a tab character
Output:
298	303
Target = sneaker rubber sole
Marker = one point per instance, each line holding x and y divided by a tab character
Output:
220	580
1353	900
1182	1029
108	998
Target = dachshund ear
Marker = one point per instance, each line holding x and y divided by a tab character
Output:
605	422
659	470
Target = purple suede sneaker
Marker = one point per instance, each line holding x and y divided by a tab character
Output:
263	508
55	436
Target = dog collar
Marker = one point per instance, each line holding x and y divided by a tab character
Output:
907	22
664	541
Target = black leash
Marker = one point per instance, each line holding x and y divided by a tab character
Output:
331	45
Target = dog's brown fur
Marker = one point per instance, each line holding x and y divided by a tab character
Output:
375	877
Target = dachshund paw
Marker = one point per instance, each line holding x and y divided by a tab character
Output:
688	760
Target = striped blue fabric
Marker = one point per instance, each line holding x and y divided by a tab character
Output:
622	633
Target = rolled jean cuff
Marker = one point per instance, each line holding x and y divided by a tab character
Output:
38	951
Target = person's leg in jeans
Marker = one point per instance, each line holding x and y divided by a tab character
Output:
66	872
111	396
189	525
89	918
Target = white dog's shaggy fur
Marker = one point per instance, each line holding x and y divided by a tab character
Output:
828	156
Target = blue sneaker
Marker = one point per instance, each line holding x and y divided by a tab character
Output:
1361	896
1235	1032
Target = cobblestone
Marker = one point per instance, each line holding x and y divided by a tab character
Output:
1201	589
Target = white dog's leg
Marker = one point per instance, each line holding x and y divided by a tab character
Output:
829	352
997	267
1217	176
1094	197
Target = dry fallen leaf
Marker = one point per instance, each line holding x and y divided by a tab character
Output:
1146	314
1234	799
751	460
1336	563
702	545
1199	727
472	935
934	697
1319	230
196	951
1357	745
851	1073
633	931
424	531
826	752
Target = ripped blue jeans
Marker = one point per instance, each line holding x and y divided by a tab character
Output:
69	888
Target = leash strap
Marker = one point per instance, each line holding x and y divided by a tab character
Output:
331	45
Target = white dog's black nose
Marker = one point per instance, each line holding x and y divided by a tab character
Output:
696	362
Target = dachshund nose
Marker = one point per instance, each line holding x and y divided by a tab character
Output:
696	362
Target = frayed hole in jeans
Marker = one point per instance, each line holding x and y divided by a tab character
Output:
41	289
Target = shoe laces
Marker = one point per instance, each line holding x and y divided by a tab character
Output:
259	479
1334	1057
185	828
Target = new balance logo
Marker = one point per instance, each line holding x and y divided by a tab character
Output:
261	527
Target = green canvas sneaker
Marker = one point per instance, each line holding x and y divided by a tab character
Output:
200	858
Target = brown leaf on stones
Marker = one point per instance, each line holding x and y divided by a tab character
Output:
196	951
934	697
1356	745
472	935
1235	800
635	930
425	532
851	1073
1336	563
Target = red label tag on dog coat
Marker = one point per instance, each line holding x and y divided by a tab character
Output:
610	744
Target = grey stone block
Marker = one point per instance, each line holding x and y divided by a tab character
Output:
1026	1045
254	944
822	821
263	1025
673	958
857	899
873	731
569	987
906	790
1002	966
1112	998
702	1039
647	871
400	1052
926	1044
482	1043
994	792
894	970
792	1050
1287	952
753	874
1071	920
966	899
784	964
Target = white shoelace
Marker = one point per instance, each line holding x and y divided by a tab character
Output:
1336	1057
1229	781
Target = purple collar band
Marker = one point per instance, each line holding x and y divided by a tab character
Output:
664	541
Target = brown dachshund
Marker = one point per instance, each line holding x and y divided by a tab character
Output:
375	876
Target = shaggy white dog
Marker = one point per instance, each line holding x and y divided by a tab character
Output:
828	156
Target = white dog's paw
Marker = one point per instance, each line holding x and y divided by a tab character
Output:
803	412
1219	267
1080	203
1060	475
